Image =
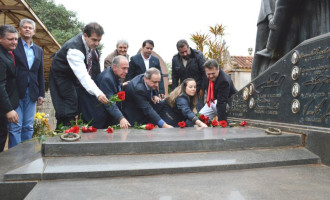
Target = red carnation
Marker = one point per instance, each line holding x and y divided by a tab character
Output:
202	117
109	130
223	123
243	123
215	123
121	95
149	126
182	124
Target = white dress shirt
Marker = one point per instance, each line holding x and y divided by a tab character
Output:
76	61
146	61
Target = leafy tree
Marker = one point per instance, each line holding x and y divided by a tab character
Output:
62	23
212	45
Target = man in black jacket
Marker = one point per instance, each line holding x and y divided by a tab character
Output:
220	89
141	95
8	88
188	63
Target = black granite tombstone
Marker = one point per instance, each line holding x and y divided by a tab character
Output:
295	90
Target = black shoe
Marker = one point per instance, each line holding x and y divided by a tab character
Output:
264	53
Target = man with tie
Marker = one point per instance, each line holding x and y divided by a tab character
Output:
144	61
72	72
8	88
141	96
30	82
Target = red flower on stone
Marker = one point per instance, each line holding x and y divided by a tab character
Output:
223	123
243	123
121	95
74	129
182	124
149	126
109	130
215	123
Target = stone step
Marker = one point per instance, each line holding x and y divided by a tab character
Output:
307	182
133	141
152	164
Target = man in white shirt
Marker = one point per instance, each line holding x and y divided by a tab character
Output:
143	61
73	70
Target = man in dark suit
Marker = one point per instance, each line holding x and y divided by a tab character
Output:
144	61
30	82
141	95
109	82
8	88
220	89
72	72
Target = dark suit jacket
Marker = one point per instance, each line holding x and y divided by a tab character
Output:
180	112
105	115
223	90
8	88
36	73
138	105
137	66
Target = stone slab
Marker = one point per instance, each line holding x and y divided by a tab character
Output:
133	141
308	182
13	158
143	165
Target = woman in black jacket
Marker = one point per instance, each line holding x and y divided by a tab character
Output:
179	105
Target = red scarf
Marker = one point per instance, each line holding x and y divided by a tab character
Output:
210	95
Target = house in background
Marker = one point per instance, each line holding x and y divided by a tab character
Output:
239	68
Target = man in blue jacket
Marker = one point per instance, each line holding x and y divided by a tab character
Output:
30	82
109	82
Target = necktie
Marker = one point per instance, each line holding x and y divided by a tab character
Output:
12	55
89	63
210	95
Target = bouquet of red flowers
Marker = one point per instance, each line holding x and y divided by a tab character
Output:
120	96
204	119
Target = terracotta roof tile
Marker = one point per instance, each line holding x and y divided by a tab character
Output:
242	62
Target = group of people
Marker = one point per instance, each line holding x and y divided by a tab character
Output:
21	82
79	88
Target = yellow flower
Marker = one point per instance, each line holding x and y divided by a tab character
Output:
39	117
43	114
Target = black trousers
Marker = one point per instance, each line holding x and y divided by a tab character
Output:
3	131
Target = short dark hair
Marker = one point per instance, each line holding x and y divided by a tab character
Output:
149	42
181	43
209	64
93	27
7	28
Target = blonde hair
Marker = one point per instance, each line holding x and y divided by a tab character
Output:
180	90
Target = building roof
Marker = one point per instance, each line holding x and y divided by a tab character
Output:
12	11
241	63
